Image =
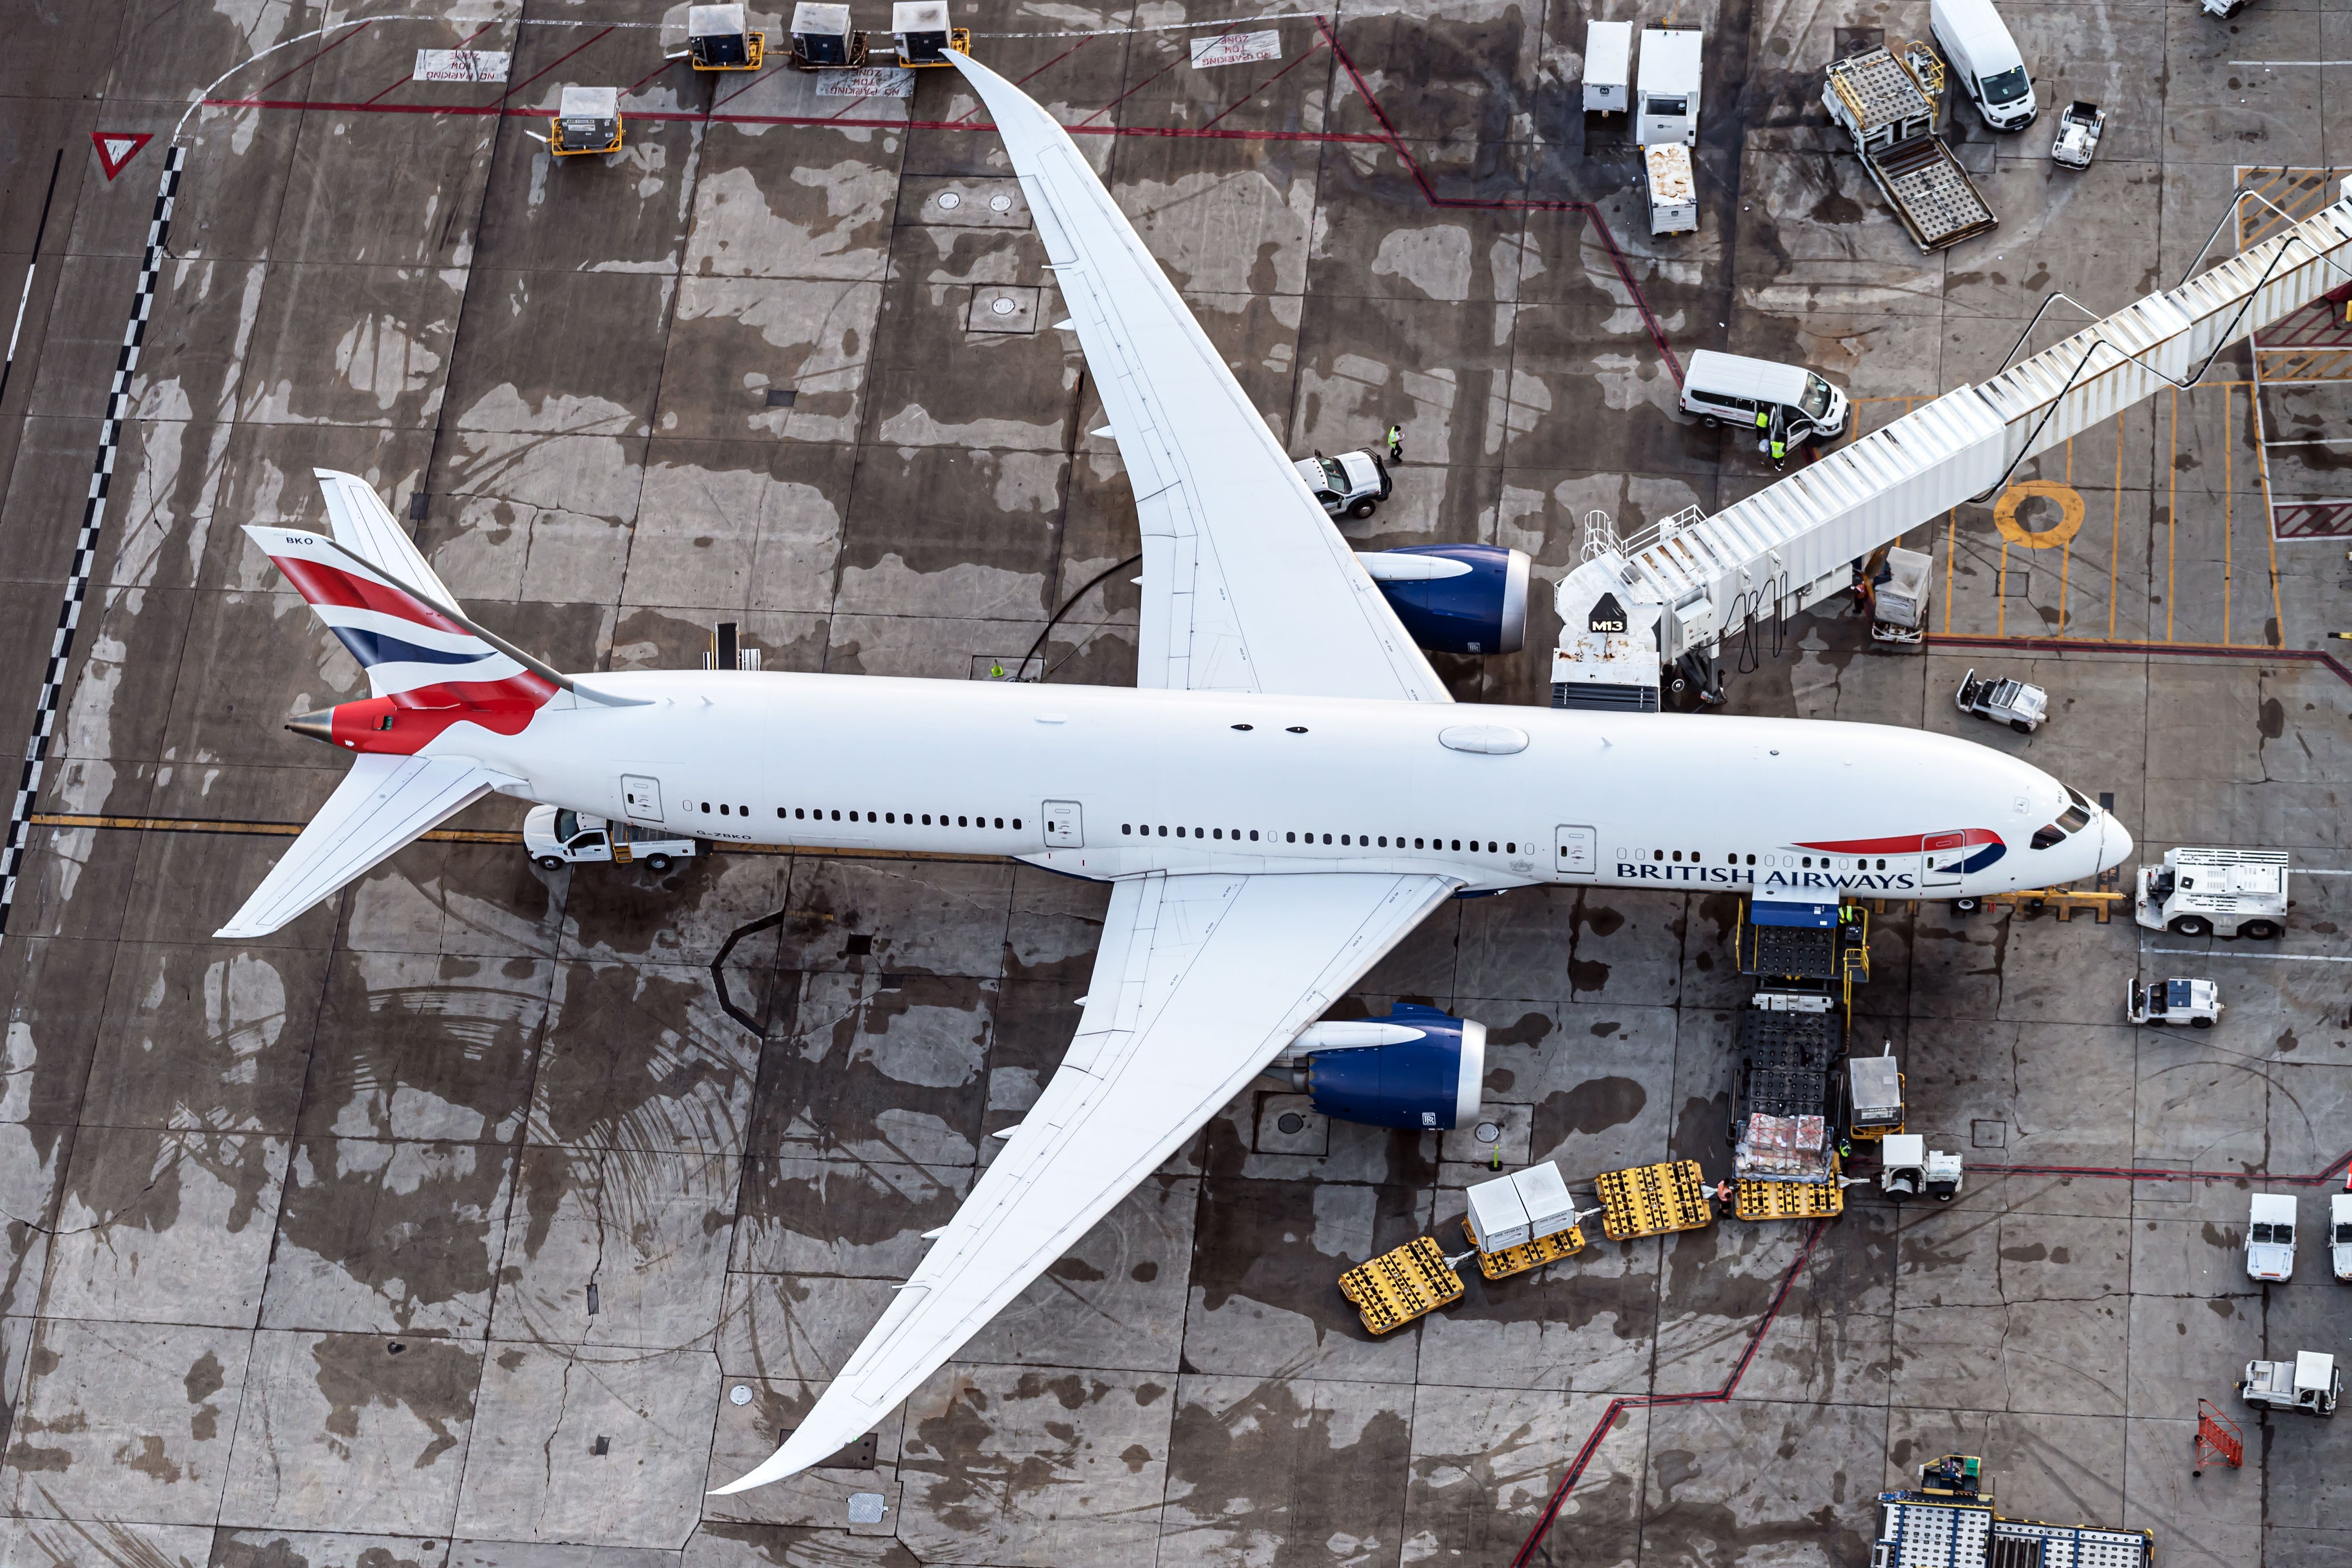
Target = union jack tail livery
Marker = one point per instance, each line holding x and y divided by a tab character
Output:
431	673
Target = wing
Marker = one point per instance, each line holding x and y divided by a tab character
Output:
383	804
1246	585
1200	981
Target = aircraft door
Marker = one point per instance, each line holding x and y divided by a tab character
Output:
1065	827
643	797
1941	858
1576	854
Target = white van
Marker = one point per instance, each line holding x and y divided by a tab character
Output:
1731	389
1985	61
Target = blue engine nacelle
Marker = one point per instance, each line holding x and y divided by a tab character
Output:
1417	1069
1457	598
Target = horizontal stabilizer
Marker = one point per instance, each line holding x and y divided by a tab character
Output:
384	802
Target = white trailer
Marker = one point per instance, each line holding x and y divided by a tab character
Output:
2216	892
1674	193
1608	67
1668	90
2339	1234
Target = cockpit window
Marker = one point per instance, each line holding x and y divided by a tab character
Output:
2074	819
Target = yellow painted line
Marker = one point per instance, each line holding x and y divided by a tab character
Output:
2066	555
464	836
2228	523
1951	560
2270	517
2115	538
2001	592
2172	512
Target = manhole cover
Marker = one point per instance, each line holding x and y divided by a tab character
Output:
950	201
867	1508
1002	305
741	1394
1000	201
1291	1122
1489	1133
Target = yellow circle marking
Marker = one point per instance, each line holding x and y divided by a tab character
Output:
2070	514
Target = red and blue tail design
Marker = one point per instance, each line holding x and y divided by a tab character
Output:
414	653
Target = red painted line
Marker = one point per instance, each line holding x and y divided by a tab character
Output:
1266	83
1058	59
1625	1401
867	122
545	69
1131	92
468	38
331	48
648	77
1592	215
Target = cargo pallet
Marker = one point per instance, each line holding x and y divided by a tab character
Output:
1791	1200
1397	1287
1528	1254
1891	115
1653	1200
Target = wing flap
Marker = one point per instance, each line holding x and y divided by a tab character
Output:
1200	981
383	805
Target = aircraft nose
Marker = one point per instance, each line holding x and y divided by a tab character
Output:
2115	844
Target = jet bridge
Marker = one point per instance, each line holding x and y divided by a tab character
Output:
1658	606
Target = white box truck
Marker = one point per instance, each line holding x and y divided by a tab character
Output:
1674	193
1668	90
1608	67
1985	61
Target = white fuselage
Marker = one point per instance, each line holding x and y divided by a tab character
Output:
1101	782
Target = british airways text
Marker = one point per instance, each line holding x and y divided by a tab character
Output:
1643	870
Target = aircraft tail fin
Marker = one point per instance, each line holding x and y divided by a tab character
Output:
365	527
417	647
384	803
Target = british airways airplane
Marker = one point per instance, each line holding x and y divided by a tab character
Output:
1284	795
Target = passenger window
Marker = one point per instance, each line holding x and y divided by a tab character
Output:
1327	838
1290	838
1253	835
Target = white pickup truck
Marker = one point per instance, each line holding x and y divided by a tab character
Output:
555	838
2270	1237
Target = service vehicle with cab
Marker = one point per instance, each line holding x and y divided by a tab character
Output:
2309	1382
2196	1003
2019	704
2215	892
555	838
2270	1237
1352	484
2339	1234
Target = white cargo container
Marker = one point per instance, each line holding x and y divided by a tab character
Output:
1673	194
1550	1208
1608	67
1498	1216
1668	90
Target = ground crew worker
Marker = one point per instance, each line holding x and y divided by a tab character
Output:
1396	443
1776	435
